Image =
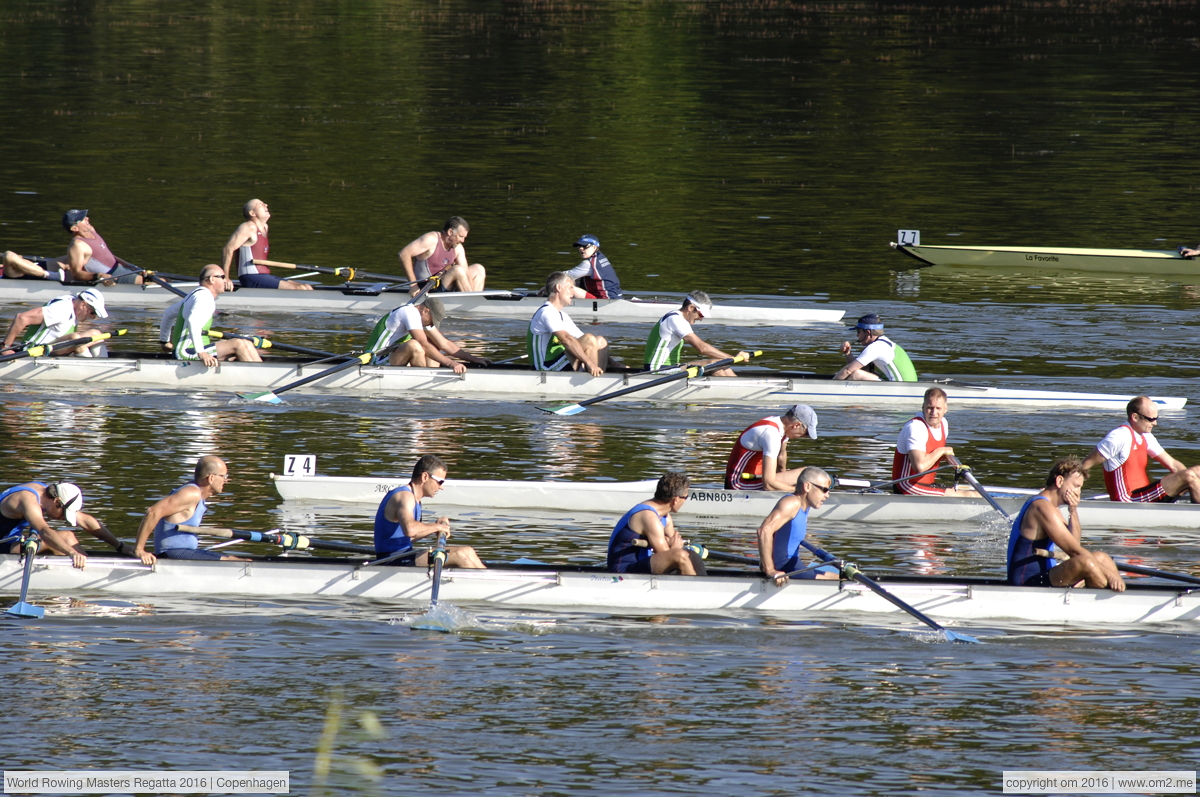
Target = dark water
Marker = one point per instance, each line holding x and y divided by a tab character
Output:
768	147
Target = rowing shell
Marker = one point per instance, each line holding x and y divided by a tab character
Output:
591	589
705	502
159	372
484	304
1135	261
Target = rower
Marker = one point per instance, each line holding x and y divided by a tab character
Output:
597	274
25	508
88	258
443	253
185	506
1125	452
759	457
1039	528
651	522
553	340
880	357
59	319
780	534
398	522
189	338
666	340
249	243
921	446
421	343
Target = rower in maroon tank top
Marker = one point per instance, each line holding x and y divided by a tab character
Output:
248	243
88	258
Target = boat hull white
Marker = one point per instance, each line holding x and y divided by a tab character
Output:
618	497
592	590
523	385
1129	261
484	304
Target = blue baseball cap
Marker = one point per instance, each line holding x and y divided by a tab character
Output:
869	321
73	217
588	240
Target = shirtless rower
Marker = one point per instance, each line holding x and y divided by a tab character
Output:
651	522
921	446
415	328
555	342
1039	528
185	506
881	359
249	243
57	320
27	507
665	344
1125	452
189	338
443	253
399	523
759	457
780	534
599	278
88	258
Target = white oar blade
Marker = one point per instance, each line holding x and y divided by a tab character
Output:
266	398
570	409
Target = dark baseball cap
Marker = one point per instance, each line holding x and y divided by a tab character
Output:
73	217
588	240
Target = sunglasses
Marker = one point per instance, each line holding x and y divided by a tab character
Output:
439	481
1147	417
819	487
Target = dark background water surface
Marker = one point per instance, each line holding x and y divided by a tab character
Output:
736	147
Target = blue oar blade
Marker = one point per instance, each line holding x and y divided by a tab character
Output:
23	609
566	409
954	636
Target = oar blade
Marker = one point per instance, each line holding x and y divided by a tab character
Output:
954	636
265	398
24	609
567	409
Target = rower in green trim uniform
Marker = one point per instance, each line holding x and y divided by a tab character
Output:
413	329
881	359
665	344
189	338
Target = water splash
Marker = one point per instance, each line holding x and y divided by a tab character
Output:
444	617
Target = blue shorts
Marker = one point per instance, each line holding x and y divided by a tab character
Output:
795	564
409	562
259	281
638	566
189	553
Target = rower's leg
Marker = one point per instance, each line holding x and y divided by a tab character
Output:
17	266
292	285
476	276
1184	480
676	560
410	353
862	375
464	556
597	348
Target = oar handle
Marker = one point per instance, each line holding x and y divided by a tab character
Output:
64	345
261	342
685	372
1150	571
284	539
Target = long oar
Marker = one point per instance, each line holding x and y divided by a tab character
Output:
1150	571
345	271
962	470
704	553
150	275
689	372
272	396
281	538
438	555
853	572
21	608
65	345
266	343
865	484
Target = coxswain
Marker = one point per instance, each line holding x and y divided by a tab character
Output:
665	344
597	274
26	508
443	253
399	523
880	357
1126	451
759	457
921	446
421	343
185	506
780	534
60	319
1039	529
555	342
248	243
650	522
88	258
189	336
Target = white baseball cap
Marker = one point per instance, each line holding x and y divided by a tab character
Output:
96	300
71	498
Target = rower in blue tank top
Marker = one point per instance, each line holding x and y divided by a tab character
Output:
27	508
1039	529
651	523
399	520
185	506
780	535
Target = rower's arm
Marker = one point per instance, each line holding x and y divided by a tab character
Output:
646	523
452	349
766	534
1093	459
31	509
78	255
414	251
240	238
432	350
178	501
94	526
849	368
21	322
921	461
705	349
401	509
771	468
1065	537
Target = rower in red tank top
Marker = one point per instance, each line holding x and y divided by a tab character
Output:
1126	452
921	446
